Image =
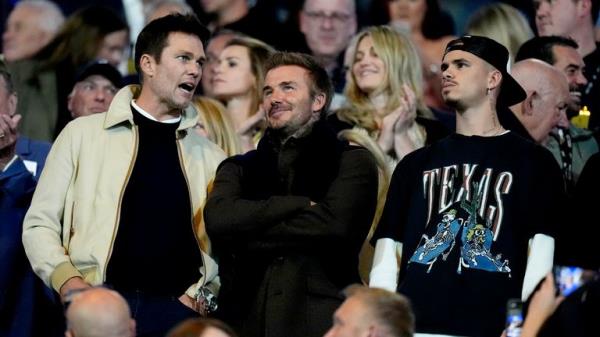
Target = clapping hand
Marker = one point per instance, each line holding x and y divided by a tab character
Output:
397	122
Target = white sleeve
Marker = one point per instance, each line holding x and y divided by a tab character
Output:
384	273
539	262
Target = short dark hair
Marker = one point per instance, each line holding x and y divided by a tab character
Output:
540	47
153	38
5	74
321	83
80	37
391	311
356	5
436	22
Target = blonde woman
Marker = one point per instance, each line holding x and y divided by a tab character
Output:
503	23
386	111
384	95
237	82
214	123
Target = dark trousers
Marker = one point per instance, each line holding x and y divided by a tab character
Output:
156	315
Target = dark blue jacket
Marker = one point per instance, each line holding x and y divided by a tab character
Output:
35	151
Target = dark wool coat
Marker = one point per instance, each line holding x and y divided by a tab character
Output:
283	262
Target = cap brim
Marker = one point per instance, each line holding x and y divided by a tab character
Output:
102	69
511	92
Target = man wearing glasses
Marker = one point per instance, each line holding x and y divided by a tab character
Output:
328	27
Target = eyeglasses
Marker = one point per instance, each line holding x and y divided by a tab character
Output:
335	17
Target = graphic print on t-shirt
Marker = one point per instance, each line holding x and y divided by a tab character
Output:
480	200
441	243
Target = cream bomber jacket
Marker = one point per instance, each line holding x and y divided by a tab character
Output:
71	225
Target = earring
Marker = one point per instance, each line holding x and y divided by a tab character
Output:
487	91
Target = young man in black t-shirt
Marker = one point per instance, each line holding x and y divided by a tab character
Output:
463	211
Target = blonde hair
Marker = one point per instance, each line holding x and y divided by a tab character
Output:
218	125
503	23
258	53
403	66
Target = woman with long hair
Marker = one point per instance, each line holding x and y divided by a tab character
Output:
503	23
385	96
237	82
214	123
430	28
385	110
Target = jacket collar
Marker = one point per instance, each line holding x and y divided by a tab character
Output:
119	110
318	138
23	146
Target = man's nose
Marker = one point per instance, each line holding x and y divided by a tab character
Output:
581	80
100	95
327	22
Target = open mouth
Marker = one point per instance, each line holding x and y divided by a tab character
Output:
367	72
575	96
187	87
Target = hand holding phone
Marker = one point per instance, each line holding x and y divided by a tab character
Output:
569	278
514	317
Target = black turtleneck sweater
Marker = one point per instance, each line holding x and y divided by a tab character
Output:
155	249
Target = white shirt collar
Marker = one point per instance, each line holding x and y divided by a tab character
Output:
149	116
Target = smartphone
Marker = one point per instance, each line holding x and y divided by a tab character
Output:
568	279
514	317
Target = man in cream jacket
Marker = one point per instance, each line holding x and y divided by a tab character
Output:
119	202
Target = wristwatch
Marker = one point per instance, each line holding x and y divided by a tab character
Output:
206	299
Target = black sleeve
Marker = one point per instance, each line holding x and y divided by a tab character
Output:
227	214
577	241
550	197
434	128
343	216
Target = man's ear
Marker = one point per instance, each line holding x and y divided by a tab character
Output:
494	79
584	7
148	65
302	22
12	104
318	102
132	327
373	331
528	103
68	333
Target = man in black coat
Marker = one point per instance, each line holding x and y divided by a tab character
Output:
287	220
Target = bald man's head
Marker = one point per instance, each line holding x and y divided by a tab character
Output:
547	97
99	312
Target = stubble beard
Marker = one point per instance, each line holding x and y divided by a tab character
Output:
293	130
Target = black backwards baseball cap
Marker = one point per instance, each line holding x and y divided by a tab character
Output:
495	54
102	68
